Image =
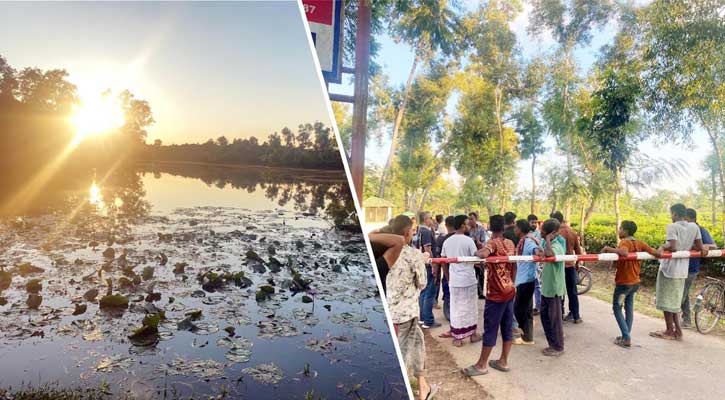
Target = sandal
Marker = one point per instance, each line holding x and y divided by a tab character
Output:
476	338
432	392
662	335
446	335
457	343
473	371
495	365
619	341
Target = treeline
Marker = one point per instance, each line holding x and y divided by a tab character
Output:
312	146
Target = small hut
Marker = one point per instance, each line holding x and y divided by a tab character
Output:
377	212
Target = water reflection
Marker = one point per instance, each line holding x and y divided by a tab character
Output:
122	193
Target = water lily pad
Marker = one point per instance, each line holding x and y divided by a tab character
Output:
276	328
203	369
265	373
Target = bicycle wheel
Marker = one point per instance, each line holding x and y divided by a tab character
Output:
707	307
584	280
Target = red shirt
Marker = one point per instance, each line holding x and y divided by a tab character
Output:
500	281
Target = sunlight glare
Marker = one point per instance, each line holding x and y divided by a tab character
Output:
97	115
95	197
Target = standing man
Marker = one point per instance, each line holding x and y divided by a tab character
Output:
573	246
462	284
509	227
681	235
444	273
441	228
480	236
427	295
525	282
406	278
694	268
536	233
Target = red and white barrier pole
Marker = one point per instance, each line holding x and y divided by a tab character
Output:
581	257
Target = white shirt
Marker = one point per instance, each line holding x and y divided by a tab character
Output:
685	233
460	274
442	230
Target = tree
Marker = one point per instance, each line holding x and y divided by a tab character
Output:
570	23
288	137
222	141
428	26
685	72
531	142
614	105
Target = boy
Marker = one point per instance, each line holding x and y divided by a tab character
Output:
525	282
553	289
626	279
499	308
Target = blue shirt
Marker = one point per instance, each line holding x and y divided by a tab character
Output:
526	271
695	262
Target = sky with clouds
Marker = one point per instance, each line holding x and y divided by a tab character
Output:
396	60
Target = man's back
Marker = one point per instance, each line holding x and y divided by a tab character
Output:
460	274
685	233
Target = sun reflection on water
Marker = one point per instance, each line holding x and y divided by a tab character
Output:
95	197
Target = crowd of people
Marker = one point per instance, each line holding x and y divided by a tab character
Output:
515	292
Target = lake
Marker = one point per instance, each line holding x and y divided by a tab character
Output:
257	294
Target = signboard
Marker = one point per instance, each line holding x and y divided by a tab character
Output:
325	20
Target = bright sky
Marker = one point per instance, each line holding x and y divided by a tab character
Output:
396	60
207	69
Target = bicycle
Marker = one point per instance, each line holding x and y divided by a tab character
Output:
710	305
583	280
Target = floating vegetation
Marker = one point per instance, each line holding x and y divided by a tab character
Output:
113	363
112	301
351	319
269	374
276	327
148	333
202	285
203	369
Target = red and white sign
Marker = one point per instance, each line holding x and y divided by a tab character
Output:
325	20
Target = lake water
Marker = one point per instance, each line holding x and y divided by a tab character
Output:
175	230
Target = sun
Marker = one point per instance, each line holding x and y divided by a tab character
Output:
97	115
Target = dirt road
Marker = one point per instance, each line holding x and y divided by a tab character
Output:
594	368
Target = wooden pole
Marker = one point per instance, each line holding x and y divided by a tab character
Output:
360	107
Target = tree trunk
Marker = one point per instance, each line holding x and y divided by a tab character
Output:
718	154
553	200
590	211
396	128
617	215
713	199
581	227
533	185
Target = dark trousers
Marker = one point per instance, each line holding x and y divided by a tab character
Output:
552	322
571	277
446	299
481	278
425	300
523	309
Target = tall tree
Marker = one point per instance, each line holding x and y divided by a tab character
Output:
531	142
570	22
685	74
429	27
